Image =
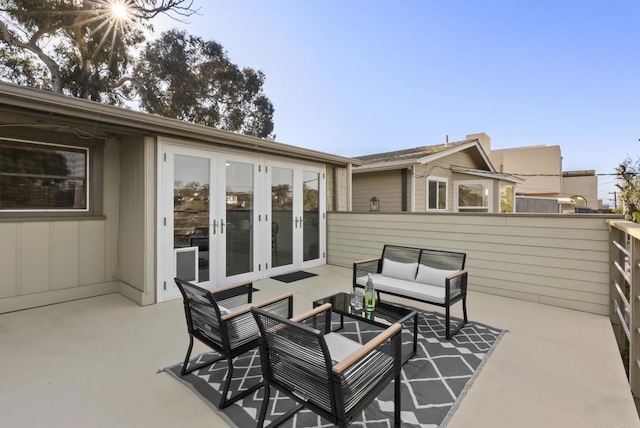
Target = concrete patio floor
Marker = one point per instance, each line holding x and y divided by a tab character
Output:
94	363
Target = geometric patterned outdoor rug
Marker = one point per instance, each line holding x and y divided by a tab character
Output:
434	381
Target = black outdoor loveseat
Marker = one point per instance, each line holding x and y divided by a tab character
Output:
431	276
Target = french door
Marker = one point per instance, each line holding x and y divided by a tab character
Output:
297	216
231	217
209	223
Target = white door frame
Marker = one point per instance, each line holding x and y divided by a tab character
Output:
165	288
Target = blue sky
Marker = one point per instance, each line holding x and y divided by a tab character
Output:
353	77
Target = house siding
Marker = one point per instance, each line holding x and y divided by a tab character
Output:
441	168
136	271
385	185
547	259
50	257
48	261
337	185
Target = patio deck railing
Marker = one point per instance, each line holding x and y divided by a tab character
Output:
624	298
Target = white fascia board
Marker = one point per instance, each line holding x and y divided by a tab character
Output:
384	166
448	152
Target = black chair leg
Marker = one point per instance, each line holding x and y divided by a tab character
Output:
265	405
447	322
397	422
226	402
449	333
464	308
184	370
282	418
223	400
186	359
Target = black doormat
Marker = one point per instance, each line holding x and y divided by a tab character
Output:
434	381
294	276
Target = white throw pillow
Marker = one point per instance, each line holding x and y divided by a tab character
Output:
399	270
432	276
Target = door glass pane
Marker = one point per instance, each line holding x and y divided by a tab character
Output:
191	212
281	216
239	213
311	212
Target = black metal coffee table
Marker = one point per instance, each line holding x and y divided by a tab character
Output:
384	315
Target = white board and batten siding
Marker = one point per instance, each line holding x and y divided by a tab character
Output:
551	259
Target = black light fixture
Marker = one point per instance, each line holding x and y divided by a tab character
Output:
374	204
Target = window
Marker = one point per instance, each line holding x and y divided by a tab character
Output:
42	177
507	198
436	193
473	196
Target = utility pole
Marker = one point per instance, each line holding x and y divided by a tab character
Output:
615	199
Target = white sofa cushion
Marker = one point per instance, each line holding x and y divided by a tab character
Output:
399	270
224	311
432	276
416	290
340	347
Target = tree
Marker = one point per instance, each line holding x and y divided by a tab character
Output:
77	47
188	78
629	185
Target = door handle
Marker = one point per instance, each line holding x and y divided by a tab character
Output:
221	225
296	222
215	223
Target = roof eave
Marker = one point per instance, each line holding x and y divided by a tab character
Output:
385	166
43	101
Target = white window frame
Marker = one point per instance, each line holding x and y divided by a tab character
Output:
488	185
446	198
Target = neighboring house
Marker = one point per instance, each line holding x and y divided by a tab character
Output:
450	177
547	188
96	199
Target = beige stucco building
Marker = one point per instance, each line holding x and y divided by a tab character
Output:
544	178
96	199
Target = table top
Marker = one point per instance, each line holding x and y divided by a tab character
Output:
384	314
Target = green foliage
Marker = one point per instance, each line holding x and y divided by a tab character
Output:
629	186
77	48
80	48
185	77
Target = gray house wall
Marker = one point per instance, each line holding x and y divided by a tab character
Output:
384	185
46	259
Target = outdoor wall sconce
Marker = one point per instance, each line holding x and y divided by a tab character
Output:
374	204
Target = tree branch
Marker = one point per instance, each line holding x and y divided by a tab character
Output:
31	46
175	6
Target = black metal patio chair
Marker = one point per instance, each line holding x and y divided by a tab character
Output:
328	374
222	320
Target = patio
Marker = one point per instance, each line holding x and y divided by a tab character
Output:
93	362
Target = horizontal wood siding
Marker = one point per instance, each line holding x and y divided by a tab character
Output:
420	188
551	259
385	185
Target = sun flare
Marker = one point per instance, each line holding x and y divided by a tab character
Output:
119	10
